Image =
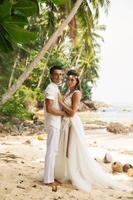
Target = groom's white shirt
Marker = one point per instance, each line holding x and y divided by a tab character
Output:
53	124
51	92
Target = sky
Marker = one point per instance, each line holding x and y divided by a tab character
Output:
115	84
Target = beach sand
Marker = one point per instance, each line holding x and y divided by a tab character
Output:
22	166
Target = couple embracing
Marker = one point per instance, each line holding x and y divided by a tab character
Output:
67	156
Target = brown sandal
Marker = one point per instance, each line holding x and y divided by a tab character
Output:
53	185
54	188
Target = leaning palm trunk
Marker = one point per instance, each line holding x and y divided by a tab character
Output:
41	77
43	71
40	55
13	71
12	74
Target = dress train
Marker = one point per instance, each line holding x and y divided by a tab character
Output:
74	162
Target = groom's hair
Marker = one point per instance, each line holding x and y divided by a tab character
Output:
55	67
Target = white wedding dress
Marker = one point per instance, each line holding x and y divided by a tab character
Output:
73	161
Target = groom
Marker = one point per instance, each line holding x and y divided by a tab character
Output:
53	115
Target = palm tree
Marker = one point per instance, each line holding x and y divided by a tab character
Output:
86	21
84	33
40	55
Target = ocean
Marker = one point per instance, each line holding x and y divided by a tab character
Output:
114	113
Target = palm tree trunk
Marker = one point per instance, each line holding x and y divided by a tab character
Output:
41	77
12	74
78	58
73	29
40	55
13	71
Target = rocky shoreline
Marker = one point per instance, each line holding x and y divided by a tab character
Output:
30	127
13	126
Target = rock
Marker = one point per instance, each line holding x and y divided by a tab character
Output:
4	119
1	127
94	105
18	186
107	158
102	123
117	167
34	186
83	107
40	104
27	142
131	128
14	130
130	172
116	127
126	167
12	156
15	121
34	118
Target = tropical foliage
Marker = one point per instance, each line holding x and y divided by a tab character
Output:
13	22
26	25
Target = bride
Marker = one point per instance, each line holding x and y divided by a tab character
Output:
73	161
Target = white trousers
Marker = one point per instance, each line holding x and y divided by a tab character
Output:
52	149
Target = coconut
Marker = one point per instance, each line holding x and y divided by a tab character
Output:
117	167
130	172
107	158
126	167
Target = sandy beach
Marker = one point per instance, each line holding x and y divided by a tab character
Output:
22	166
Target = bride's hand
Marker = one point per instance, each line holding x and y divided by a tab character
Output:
60	98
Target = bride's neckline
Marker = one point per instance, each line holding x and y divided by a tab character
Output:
69	93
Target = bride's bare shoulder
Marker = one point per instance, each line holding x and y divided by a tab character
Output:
77	92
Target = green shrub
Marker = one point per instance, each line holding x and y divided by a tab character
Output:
15	108
39	95
86	89
21	103
18	105
27	97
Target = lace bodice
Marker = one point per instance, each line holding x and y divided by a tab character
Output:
68	97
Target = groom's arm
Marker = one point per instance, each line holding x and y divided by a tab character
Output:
50	108
76	97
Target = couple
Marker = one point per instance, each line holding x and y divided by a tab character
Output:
67	157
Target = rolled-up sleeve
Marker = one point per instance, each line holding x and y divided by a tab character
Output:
50	93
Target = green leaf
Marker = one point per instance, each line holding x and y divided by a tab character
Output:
26	8
58	2
17	20
5	9
19	35
5	45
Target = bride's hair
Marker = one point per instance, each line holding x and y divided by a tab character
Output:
72	72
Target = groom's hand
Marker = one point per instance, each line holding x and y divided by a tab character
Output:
66	114
60	98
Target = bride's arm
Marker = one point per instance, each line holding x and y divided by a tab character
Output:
76	97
